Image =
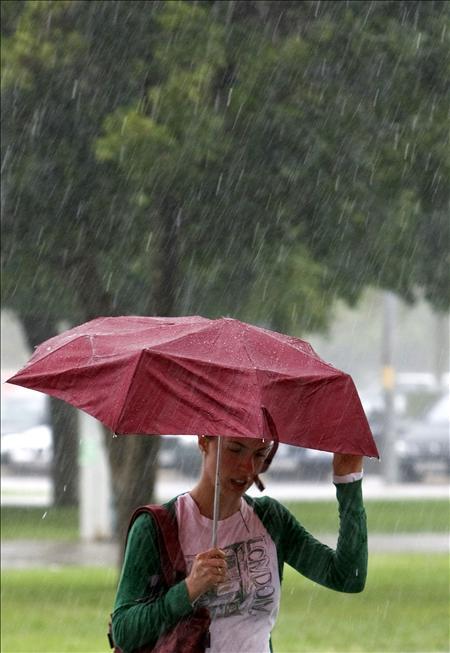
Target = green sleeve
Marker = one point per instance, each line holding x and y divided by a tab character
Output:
343	569
142	610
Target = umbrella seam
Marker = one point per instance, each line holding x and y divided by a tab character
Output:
154	348
89	337
314	355
256	372
176	356
248	355
50	353
122	410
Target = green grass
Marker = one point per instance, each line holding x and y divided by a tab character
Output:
56	610
39	523
412	516
404	609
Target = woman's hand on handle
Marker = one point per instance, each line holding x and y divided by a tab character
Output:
208	570
346	464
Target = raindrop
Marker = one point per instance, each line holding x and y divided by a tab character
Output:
219	183
376	97
74	89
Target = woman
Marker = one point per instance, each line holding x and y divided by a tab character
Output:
239	581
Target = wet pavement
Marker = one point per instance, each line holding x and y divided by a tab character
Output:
37	491
26	554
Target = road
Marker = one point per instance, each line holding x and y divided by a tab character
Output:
36	490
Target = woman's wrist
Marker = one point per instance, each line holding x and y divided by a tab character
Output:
193	592
344	464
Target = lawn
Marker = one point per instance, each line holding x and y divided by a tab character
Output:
404	609
39	523
412	516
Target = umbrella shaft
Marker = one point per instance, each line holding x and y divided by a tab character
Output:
217	493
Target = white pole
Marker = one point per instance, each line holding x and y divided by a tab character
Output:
389	454
95	482
217	492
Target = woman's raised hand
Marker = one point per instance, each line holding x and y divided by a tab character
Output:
208	570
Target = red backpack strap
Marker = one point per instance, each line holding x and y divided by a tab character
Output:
172	560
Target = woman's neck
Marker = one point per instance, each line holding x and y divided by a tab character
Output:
204	498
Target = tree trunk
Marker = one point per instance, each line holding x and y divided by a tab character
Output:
165	284
132	458
133	461
65	473
63	419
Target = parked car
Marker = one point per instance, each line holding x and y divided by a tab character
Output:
423	445
415	392
180	452
300	463
30	450
26	437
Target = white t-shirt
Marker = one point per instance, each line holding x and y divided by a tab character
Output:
244	607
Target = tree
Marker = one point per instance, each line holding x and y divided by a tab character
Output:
64	217
258	159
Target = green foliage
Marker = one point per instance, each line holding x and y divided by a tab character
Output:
301	154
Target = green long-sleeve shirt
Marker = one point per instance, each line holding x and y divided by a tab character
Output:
143	609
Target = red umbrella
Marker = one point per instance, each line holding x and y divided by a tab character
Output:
192	375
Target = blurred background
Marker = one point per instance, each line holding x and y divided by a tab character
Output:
284	163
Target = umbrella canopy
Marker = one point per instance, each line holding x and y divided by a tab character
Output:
192	375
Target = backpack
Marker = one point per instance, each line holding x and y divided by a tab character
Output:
190	634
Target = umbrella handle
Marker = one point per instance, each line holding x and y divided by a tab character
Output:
217	493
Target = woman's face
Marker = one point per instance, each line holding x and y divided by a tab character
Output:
242	459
